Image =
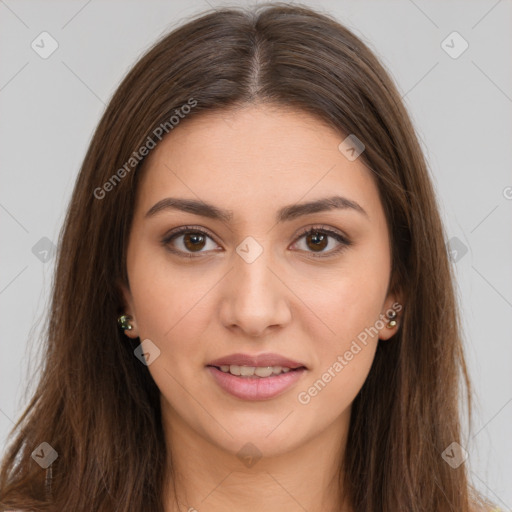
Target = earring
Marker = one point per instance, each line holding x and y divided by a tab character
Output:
392	322
124	322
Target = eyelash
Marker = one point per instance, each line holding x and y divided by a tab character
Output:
344	241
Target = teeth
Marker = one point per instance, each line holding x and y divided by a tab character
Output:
250	371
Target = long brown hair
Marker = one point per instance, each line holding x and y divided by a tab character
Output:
98	407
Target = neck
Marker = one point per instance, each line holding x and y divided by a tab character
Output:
203	476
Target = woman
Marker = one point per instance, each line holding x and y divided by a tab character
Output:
253	305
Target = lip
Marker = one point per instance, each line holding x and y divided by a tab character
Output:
267	359
255	388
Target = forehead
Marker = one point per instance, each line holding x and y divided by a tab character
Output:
255	158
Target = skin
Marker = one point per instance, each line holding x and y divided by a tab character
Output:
253	161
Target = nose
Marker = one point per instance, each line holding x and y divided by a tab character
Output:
255	298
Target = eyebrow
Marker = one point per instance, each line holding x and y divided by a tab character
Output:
286	213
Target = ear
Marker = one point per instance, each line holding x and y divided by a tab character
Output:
393	303
128	309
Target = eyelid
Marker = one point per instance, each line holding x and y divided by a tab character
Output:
339	236
182	230
327	229
343	240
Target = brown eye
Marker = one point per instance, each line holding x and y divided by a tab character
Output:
317	239
190	242
194	241
187	241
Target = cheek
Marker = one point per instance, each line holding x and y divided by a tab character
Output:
349	304
344	356
172	308
329	393
171	311
344	303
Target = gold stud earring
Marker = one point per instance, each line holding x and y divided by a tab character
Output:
392	322
124	322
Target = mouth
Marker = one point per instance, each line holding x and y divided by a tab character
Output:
260	372
255	382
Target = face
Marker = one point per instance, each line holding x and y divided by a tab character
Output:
244	276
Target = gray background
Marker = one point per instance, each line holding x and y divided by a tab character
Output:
461	107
